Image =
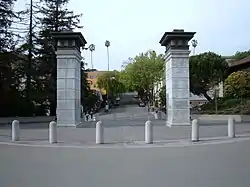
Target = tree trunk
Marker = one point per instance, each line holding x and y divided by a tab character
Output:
207	96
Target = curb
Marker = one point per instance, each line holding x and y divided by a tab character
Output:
137	144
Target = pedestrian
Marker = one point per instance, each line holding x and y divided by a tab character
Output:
87	116
91	113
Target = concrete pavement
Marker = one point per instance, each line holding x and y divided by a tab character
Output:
223	165
128	127
172	161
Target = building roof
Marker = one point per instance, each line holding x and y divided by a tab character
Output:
240	62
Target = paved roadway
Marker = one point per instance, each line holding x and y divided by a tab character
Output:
222	165
128	127
205	165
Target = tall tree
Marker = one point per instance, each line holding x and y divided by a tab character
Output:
206	71
6	18
111	82
143	72
54	17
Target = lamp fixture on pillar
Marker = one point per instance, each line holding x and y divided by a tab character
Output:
194	44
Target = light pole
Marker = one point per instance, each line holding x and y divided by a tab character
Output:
91	48
107	44
216	100
113	90
194	44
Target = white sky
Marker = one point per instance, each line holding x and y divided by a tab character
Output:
135	26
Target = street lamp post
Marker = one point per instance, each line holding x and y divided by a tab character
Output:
112	98
216	100
107	44
194	44
91	48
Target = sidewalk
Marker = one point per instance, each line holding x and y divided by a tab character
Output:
117	132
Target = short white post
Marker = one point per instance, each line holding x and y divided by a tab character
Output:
52	132
99	133
156	115
159	115
195	130
15	130
114	116
231	127
97	116
148	132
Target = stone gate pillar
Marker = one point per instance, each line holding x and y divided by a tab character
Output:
68	77
177	76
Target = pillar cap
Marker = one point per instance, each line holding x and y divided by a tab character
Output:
70	35
177	39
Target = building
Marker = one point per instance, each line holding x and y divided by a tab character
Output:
241	65
92	77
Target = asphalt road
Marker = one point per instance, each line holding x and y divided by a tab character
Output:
128	127
222	165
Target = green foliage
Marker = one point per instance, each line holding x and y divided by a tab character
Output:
141	74
14	65
6	17
55	16
240	55
163	95
226	106
111	82
206	71
237	85
88	97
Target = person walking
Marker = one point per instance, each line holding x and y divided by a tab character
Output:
91	113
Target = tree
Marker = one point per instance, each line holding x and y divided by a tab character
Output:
88	98
6	16
240	55
206	71
143	72
54	17
237	85
162	95
111	82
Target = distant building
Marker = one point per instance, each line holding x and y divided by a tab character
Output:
240	65
92	77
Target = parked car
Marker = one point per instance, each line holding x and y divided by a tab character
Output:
141	104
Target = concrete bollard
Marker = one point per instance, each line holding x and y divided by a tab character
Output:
148	132
99	133
195	130
15	130
96	116
156	115
159	115
52	132
231	127
114	116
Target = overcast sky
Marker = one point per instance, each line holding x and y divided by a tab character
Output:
135	26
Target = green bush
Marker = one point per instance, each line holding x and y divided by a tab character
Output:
226	106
